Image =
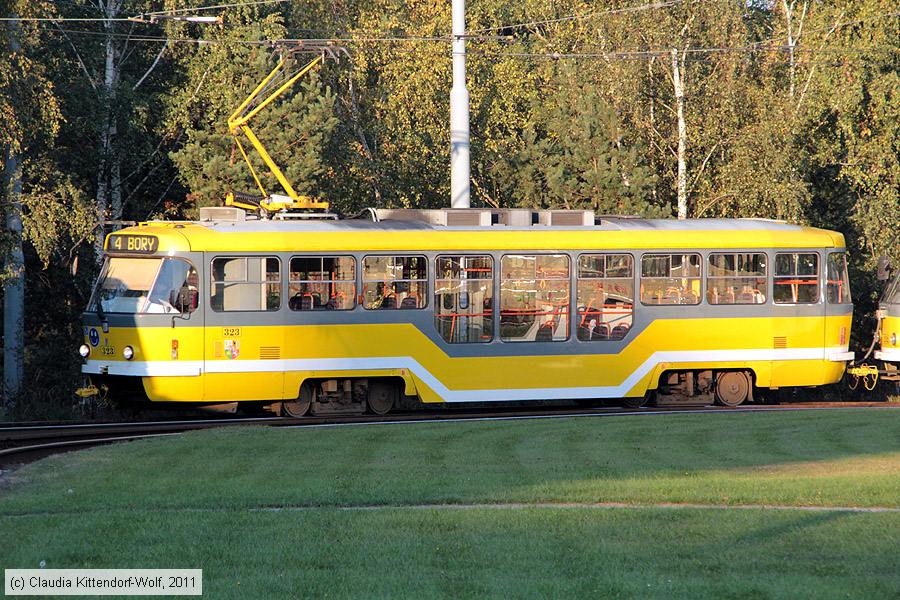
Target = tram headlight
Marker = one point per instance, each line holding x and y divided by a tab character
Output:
128	352
893	339
84	351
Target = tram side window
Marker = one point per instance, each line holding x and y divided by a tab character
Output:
464	298
736	278
796	279
837	290
245	283
534	298
605	296
395	282
670	279
322	283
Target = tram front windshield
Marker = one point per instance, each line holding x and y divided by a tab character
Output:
146	285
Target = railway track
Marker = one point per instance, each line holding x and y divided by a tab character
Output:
24	443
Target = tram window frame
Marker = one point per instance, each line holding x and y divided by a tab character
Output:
735	275
327	306
568	290
836	287
184	300
596	334
277	284
683	254
488	316
793	279
423	282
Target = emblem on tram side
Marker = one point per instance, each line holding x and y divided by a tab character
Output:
232	348
94	337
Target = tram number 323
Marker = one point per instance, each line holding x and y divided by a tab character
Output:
231	332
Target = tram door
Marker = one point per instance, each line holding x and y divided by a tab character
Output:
175	341
798	300
243	334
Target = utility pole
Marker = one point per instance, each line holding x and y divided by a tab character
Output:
681	182
459	113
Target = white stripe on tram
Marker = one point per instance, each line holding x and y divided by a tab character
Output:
193	368
888	354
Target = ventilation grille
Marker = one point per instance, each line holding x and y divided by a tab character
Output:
269	352
483	217
468	218
779	342
222	213
566	218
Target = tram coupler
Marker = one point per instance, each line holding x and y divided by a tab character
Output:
88	391
865	372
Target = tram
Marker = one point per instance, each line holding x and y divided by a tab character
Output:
447	306
890	326
886	367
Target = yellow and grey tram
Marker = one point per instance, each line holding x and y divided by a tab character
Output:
482	306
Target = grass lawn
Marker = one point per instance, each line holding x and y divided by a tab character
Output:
368	511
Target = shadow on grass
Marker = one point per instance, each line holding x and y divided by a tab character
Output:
846	458
779	530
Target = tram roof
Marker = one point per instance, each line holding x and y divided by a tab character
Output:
402	235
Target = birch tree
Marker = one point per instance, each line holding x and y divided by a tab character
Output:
27	107
115	80
793	32
678	88
109	175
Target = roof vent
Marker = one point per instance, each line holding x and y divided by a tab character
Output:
459	217
479	217
566	218
466	217
516	217
222	213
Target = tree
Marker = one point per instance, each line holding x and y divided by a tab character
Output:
113	105
576	155
295	129
29	109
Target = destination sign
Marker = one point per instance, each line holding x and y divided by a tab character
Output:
135	244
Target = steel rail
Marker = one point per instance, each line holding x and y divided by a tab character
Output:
39	431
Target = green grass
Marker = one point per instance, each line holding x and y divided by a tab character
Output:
354	525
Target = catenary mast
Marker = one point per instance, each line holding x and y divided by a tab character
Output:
459	113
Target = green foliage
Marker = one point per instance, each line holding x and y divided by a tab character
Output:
759	178
28	106
294	132
57	216
576	156
295	129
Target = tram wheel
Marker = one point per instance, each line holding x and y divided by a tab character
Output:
299	407
636	401
732	388
382	396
